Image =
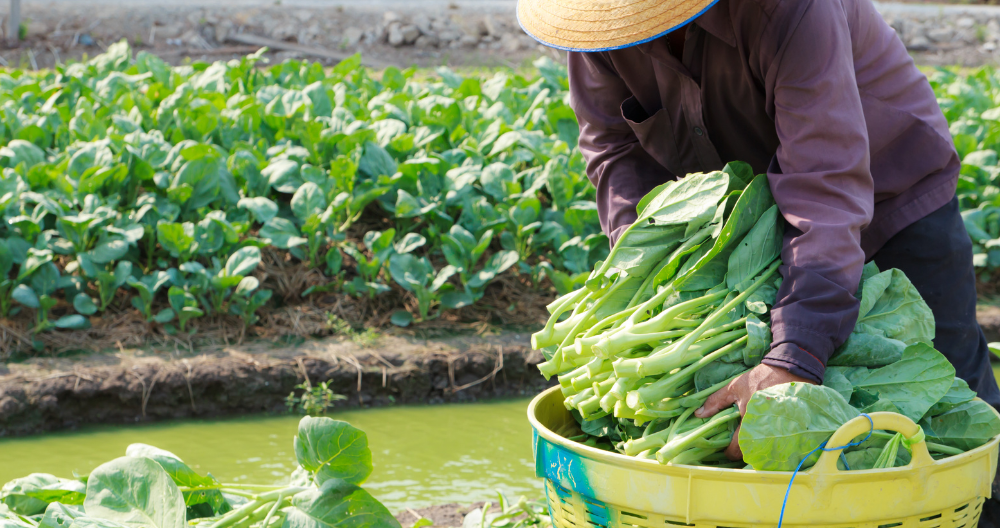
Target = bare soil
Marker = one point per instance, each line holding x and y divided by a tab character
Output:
444	515
46	394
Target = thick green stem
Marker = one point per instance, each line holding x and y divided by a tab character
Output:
681	443
546	336
665	320
719	441
603	387
676	357
713	319
242	512
692	456
667	385
698	398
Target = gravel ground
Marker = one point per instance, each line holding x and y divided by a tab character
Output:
398	32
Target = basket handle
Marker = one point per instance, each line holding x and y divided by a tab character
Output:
888	421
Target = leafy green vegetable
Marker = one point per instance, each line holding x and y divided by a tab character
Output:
162	167
333	450
153	488
134	492
914	383
966	426
785	422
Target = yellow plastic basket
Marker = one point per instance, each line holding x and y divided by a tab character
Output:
591	488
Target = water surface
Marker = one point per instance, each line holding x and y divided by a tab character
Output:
423	455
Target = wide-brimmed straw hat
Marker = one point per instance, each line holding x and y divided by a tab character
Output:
601	25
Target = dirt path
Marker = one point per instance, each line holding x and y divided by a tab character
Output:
46	394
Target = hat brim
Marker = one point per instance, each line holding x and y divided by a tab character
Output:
604	25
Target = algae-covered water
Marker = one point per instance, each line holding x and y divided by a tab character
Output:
423	455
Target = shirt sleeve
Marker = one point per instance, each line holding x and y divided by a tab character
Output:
620	169
821	181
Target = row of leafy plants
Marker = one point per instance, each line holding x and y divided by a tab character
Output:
129	184
971	104
127	181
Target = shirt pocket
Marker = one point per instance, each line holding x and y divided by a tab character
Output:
655	133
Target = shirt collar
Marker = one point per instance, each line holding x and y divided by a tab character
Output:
717	22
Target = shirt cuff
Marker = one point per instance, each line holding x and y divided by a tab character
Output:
796	360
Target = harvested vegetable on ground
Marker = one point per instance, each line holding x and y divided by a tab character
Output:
681	307
151	487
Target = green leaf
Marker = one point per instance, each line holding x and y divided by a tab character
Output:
914	383
176	238
84	304
263	209
164	316
958	394
410	272
497	264
72	322
243	261
375	161
716	372
338	504
835	378
282	233
26	296
785	422
758	341
693	200
59	515
332	449
179	472
20	151
966	427
283	175
410	242
757	250
644	246
748	210
308	201
892	307
109	251
32	494
136	492
867	350
401	318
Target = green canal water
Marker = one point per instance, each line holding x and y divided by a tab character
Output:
423	455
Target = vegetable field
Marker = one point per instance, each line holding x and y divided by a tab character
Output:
971	103
182	196
144	201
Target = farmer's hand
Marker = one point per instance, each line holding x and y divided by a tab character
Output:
739	392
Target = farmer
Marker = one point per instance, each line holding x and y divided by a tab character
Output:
822	97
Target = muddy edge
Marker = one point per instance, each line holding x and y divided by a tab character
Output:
125	388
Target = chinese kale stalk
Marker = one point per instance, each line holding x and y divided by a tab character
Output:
153	488
681	307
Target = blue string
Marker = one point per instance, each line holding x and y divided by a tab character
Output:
824	448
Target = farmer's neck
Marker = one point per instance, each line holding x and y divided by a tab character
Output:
675	41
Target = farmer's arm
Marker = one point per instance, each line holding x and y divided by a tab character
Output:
821	181
617	165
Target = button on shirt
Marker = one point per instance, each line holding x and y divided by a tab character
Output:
818	94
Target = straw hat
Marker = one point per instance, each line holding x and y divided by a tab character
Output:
602	25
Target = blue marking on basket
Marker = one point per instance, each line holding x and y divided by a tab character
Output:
561	466
824	448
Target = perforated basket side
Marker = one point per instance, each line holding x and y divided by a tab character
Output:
570	509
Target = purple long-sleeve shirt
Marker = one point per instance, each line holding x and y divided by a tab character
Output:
819	94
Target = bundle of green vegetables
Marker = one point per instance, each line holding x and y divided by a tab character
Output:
681	307
153	488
